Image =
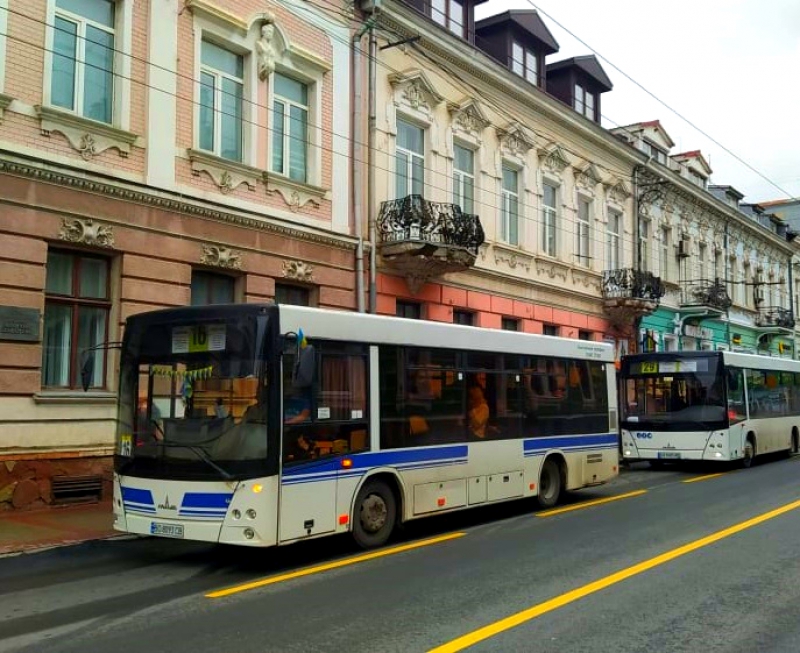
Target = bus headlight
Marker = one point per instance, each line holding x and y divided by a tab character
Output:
236	514
249	533
251	514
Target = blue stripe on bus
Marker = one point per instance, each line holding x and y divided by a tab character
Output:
206	500
144	497
138	506
350	473
201	513
563	442
149	513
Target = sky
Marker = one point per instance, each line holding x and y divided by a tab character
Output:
729	67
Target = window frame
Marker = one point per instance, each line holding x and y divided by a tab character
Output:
613	239
509	199
212	278
521	66
583	232
463	317
550	220
584	101
286	127
295	290
219	76
445	17
664	266
75	302
403	307
462	179
410	156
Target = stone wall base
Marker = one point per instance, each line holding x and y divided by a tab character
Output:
27	484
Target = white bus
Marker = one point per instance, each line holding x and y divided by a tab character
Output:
263	425
720	406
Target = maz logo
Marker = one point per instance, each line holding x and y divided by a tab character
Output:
166	505
644	435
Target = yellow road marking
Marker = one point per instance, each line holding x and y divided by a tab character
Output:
703	478
465	641
587	504
308	571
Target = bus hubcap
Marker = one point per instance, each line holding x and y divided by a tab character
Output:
373	513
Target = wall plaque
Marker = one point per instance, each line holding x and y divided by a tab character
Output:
19	324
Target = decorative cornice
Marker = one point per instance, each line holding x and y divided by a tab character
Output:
296	194
619	192
88	137
227	175
168	204
5	100
214	13
86	232
298	271
550	268
587	177
514	140
512	258
587	279
221	257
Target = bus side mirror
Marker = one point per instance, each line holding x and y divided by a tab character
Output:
87	371
304	368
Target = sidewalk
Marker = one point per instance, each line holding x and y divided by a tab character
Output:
26	531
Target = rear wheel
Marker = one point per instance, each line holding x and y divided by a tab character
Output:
375	515
795	442
549	484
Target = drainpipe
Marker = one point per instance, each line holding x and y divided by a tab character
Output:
728	286
373	276
356	167
637	323
792	307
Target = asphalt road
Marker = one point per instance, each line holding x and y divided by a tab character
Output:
667	566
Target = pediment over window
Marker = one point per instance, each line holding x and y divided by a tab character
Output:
468	118
413	89
587	177
618	191
553	158
514	140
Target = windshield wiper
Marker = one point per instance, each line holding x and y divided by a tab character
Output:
201	454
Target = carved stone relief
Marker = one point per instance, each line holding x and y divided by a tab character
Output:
221	257
553	159
514	141
468	118
298	271
587	178
413	90
551	269
86	232
512	259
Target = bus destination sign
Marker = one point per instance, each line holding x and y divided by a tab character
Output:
198	338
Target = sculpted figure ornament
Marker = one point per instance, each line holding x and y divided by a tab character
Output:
265	48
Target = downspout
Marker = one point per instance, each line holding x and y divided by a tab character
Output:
791	306
637	323
729	287
356	166
373	275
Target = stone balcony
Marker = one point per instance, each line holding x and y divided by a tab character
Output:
424	240
629	294
707	294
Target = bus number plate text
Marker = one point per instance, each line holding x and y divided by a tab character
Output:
166	530
669	454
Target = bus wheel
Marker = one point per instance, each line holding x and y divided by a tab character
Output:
549	484
749	453
375	515
795	444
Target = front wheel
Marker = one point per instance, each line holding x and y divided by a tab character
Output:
549	484
749	454
375	515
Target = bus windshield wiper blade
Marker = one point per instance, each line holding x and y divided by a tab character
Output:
202	455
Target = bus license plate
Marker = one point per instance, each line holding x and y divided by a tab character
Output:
166	530
674	455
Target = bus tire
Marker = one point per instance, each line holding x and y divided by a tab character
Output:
795	448
549	484
375	515
749	452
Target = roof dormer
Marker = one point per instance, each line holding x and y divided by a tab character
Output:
579	82
694	167
456	16
519	40
649	137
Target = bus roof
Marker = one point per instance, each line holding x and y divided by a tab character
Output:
734	358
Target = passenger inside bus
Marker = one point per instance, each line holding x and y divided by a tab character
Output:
297	411
478	411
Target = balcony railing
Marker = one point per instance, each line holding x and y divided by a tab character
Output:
706	293
413	219
775	316
632	284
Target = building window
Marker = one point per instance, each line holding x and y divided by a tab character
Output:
82	75
76	311
449	14
718	271
549	217
464	178
409	310
466	318
702	261
644	245
666	238
509	210
697	178
582	232
525	63
212	288
510	324
584	102
290	128
658	154
550	330
584	335
410	159
221	93
613	240
295	295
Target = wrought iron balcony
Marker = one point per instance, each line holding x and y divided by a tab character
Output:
628	294
705	293
425	239
775	317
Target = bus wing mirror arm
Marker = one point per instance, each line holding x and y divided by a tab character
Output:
87	368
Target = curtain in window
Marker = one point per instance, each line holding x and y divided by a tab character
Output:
344	386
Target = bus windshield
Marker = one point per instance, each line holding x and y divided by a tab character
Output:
668	394
193	400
